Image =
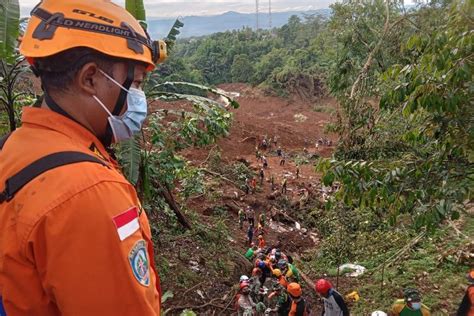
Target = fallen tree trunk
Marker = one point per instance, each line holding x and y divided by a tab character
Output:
167	195
286	216
399	253
222	177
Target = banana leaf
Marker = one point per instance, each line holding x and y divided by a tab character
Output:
136	8
9	29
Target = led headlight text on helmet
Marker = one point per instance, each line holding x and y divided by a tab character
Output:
50	22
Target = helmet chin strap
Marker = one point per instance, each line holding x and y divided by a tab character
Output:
108	137
56	108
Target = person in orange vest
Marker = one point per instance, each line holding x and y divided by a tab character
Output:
261	242
280	277
74	238
298	305
253	185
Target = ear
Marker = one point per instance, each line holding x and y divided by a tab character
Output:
88	78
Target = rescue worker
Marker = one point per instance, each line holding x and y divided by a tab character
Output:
288	270
282	160
298	304
253	185
251	252
283	185
275	140
410	306
466	308
75	240
292	274
279	255
258	154
260	265
260	230
241	218
250	234
246	306
261	242
265	162
267	270
262	176
262	218
250	213
280	277
283	301
297	172
334	304
279	151
255	283
243	278
247	186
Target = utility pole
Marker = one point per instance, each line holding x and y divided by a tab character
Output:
256	13
270	13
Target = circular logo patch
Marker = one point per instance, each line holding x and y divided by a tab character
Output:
139	262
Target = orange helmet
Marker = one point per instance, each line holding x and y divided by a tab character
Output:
294	289
56	26
277	272
470	276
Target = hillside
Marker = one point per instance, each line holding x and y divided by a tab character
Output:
205	25
259	115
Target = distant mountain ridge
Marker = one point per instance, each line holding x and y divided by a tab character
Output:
205	25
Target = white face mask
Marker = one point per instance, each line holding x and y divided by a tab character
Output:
416	306
130	123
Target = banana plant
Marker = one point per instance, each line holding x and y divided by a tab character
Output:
9	29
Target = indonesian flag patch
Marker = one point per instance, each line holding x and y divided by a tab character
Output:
127	223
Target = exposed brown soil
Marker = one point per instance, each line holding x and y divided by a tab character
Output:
258	116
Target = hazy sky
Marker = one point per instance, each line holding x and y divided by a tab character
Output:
175	8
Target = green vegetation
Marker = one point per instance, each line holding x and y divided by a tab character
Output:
294	58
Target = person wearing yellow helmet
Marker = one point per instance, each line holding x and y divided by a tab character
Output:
282	280
74	239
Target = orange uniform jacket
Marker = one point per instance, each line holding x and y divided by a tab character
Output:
61	251
470	293
294	309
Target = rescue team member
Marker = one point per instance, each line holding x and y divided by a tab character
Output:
334	304
298	303
410	306
75	240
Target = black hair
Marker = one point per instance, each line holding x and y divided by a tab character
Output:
57	72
